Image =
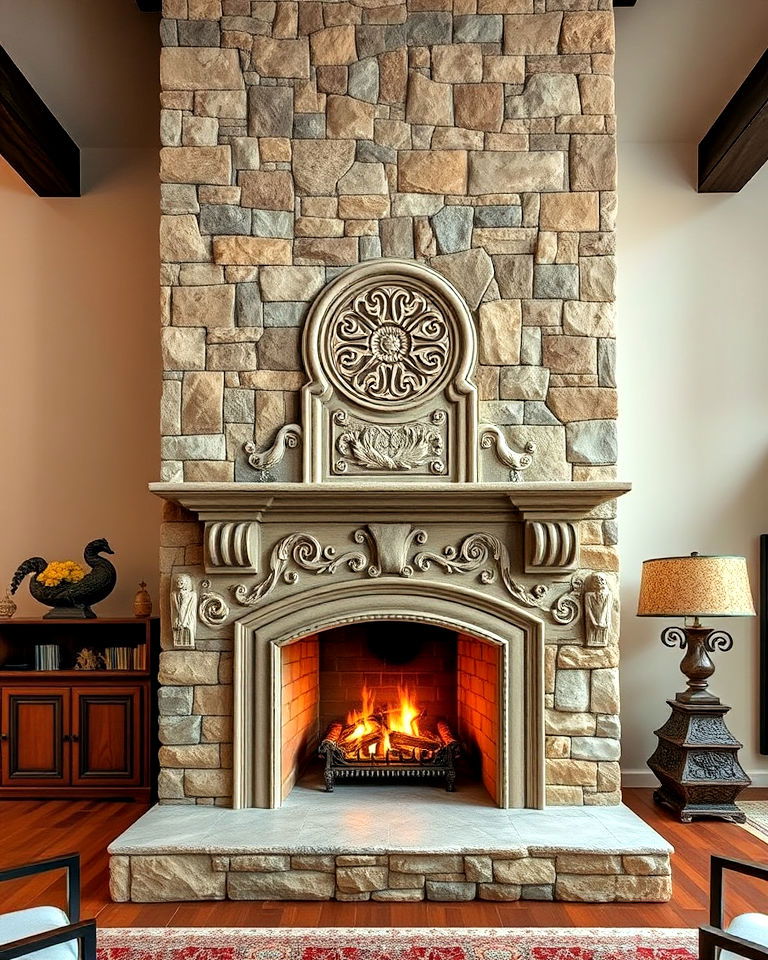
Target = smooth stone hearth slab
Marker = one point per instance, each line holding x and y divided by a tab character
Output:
366	819
390	843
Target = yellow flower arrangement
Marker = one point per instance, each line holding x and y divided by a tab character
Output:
59	571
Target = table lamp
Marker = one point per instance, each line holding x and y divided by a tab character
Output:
696	760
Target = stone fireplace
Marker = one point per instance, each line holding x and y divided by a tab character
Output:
389	411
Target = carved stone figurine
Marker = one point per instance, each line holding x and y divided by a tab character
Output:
183	611
598	607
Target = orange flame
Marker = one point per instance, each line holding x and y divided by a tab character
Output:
403	717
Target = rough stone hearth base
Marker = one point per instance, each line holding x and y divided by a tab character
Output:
390	844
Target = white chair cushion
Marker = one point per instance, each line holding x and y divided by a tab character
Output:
748	926
25	923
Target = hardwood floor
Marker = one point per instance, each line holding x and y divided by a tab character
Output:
36	829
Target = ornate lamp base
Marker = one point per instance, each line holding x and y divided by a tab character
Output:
696	763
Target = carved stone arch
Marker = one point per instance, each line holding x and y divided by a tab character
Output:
390	350
261	634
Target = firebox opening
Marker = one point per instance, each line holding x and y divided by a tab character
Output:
392	690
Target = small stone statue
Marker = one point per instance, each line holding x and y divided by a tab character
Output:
598	607
183	611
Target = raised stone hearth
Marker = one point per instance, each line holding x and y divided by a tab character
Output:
395	844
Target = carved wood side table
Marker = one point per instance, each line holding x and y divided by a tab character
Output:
697	764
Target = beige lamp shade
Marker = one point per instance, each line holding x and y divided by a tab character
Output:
695	586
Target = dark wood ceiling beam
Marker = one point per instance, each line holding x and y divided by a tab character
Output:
736	145
31	138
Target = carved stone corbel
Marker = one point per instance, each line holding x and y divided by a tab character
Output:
551	546
288	437
231	545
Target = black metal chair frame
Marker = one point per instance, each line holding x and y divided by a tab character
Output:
712	936
84	931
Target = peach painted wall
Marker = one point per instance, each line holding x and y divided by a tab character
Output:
80	371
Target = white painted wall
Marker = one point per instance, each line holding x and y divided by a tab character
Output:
693	368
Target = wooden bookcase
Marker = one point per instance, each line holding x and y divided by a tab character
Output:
77	733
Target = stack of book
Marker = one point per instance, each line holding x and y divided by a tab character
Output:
126	658
47	656
140	657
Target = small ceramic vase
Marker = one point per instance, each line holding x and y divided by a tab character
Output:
7	607
142	602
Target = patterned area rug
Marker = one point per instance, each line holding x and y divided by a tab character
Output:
334	943
757	817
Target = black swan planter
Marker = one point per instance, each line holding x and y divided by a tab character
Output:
66	586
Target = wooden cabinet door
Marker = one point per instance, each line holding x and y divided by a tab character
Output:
107	735
35	747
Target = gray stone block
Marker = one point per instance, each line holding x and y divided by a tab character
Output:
452	227
179	730
610	532
424	29
364	80
374	38
291	885
503	412
595	748
478	29
238	406
309	126
272	223
556	281
370	152
606	362
592	441
397	237
539	413
199	33
370	248
281	313
204	446
248	306
225	218
174	701
530	346
572	691
537	891
500	215
169	35
450	890
270	111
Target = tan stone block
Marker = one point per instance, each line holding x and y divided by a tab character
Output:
216	730
592	162
218	194
426	863
267	380
267	189
457	138
333	45
211	306
504	6
428	102
361	879
563	354
223	104
325	864
647	865
188	667
516	172
570	211
406	881
499	326
212	701
183	348
587	658
457	63
193	755
208	783
275	149
596	94
204	9
398	896
609	777
557	747
120	879
579	888
597	278
500	69
195	165
588	32
318	165
280	58
487	379
589	319
582	403
479	106
180	240
251	250
499	892
291	283
605	690
291	885
349	118
170	877
537	34
524	870
571	773
202	400
331	251
565	723
559	796
261	863
432	171
393	76
599	558
589	863
200	68
363	207
644	889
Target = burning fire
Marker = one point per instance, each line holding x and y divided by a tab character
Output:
369	728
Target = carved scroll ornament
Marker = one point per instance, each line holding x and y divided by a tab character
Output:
492	437
397	448
288	437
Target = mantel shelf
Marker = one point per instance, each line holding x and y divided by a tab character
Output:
403	500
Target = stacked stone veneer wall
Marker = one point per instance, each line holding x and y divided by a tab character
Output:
514	875
301	138
478	695
300	705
